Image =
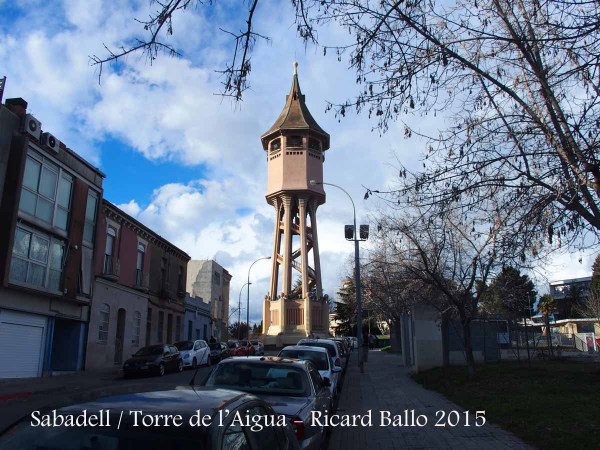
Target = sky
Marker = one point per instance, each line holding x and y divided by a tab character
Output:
187	162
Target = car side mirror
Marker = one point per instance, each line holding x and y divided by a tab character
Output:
326	382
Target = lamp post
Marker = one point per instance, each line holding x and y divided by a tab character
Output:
240	312
355	238
248	297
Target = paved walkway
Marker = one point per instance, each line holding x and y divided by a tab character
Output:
386	385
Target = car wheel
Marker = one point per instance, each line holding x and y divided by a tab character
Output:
161	369
194	363
180	366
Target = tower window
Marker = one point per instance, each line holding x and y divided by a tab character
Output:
276	144
294	141
314	144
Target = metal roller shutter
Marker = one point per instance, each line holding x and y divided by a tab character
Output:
22	343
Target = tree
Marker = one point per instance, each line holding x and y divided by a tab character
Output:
516	80
345	309
447	262
238	330
510	294
590	306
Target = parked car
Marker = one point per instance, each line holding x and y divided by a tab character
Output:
354	342
218	352
250	350
344	346
209	435
292	387
258	346
320	358
332	349
240	348
194	353
158	358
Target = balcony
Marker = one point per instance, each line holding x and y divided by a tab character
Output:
142	281
111	268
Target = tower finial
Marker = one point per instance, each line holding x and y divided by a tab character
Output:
295	67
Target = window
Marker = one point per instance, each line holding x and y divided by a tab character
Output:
148	326
46	191
294	141
37	259
90	217
137	325
314	144
141	250
161	324
169	327
111	235
163	273
276	144
178	328
180	279
104	322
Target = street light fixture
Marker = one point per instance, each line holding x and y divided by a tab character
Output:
248	297
352	234
240	312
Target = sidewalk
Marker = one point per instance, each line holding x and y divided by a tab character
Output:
24	387
386	385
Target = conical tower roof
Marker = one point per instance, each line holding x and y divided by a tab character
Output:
295	116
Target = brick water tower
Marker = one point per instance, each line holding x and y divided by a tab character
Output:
295	147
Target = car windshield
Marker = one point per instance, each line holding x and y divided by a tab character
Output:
232	344
184	345
330	347
261	378
244	343
319	359
25	437
151	350
254	342
215	346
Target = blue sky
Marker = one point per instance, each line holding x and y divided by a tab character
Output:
181	159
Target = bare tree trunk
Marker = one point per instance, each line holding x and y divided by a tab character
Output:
466	324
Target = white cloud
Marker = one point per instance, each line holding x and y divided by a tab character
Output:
168	111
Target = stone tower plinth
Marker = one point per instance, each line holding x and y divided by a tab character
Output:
295	147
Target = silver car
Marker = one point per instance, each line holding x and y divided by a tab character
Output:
292	387
320	358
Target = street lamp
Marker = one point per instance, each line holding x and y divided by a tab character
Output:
240	312
351	235
248	297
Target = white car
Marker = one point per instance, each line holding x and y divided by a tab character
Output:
194	353
258	347
320	358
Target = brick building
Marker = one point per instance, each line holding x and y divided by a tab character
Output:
138	291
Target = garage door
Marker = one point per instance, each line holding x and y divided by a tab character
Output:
22	344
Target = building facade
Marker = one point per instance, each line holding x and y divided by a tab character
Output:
49	202
209	280
197	319
138	291
295	146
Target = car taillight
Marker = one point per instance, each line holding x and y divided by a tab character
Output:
298	427
338	362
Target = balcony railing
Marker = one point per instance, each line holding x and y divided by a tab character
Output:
111	267
142	280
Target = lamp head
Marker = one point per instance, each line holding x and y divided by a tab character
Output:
315	182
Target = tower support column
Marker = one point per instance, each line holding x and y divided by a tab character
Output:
302	210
